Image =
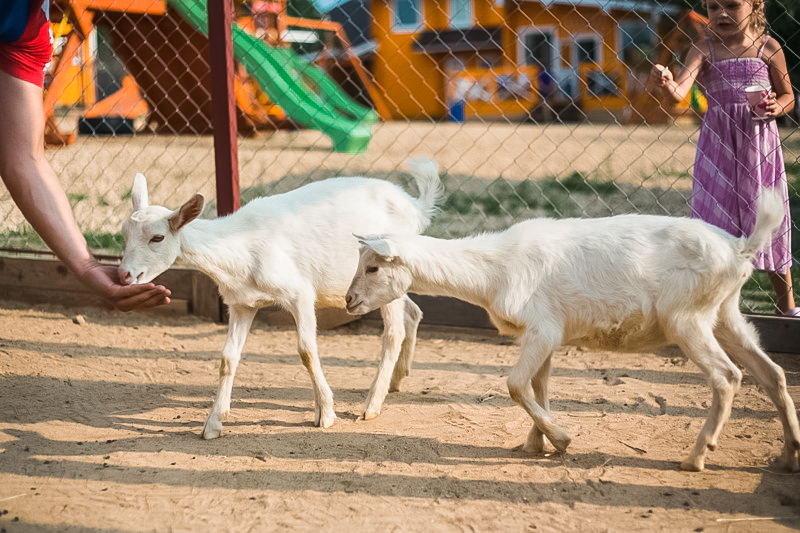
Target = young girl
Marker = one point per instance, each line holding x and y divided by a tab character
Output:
738	154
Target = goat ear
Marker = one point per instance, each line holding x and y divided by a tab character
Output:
188	212
383	247
139	192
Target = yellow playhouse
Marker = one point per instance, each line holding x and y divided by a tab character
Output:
500	58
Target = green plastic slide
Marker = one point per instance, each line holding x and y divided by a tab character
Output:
303	90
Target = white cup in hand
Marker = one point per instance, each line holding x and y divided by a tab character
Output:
756	94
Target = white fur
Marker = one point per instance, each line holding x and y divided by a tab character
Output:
631	282
295	250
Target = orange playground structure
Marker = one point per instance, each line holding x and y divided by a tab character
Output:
167	78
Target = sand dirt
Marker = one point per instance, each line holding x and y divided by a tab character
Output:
100	416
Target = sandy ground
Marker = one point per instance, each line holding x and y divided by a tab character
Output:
100	415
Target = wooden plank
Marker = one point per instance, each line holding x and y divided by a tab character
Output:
41	281
38	281
151	7
205	300
327	317
778	334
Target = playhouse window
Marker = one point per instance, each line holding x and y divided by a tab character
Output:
461	13
637	44
407	14
587	50
539	49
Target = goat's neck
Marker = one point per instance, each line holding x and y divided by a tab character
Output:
461	268
213	247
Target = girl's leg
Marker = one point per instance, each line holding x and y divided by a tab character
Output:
782	283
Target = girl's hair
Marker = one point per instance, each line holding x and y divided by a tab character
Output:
758	19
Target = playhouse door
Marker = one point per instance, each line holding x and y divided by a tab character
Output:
586	50
539	48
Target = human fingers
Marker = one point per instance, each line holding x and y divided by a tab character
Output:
660	75
656	72
769	103
140	297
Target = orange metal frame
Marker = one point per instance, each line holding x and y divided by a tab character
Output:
81	15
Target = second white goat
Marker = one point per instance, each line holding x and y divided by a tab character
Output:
631	282
295	250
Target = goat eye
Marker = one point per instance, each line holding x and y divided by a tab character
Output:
371	270
156	238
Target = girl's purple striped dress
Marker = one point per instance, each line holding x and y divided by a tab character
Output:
737	156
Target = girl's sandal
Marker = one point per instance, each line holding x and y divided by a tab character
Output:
794	313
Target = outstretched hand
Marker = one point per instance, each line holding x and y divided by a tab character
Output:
660	75
104	281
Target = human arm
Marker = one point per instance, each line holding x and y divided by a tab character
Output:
37	192
677	87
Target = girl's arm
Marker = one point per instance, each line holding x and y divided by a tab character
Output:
781	99
676	89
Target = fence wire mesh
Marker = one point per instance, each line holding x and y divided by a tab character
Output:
531	108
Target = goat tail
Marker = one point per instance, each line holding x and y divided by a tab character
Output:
431	191
770	209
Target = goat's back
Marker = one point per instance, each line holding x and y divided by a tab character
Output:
334	206
615	282
628	254
306	235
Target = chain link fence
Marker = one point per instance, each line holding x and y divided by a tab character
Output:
531	108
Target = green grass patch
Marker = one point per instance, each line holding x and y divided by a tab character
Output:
107	243
27	239
75	198
523	199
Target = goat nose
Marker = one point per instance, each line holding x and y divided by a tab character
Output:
125	277
348	298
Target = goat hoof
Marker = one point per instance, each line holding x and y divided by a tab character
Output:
560	441
791	462
531	450
394	384
325	422
211	430
369	416
534	444
691	466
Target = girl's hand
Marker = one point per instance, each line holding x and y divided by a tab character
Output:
770	105
660	75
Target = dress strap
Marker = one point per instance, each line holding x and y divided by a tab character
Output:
710	49
761	50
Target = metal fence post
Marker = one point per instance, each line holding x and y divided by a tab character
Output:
223	114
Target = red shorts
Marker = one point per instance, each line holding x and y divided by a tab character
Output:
26	58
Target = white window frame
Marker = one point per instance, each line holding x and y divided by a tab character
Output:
598	40
399	27
468	14
555	57
619	51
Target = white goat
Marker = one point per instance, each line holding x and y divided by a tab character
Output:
295	250
630	282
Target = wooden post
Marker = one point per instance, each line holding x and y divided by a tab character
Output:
223	98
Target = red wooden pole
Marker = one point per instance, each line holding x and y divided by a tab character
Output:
223	105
